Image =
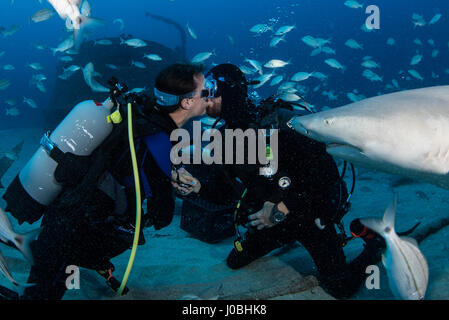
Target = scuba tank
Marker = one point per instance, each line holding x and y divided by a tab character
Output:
85	127
80	133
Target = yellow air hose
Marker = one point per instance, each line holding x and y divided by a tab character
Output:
138	202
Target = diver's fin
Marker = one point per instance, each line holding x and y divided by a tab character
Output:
22	242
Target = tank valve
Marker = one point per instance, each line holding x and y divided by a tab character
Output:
46	142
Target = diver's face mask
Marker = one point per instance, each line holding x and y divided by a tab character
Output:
210	89
171	100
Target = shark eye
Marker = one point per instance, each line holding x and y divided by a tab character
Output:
387	230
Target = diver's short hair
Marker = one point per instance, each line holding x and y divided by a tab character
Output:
178	79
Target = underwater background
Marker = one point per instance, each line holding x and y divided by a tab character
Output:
224	28
173	265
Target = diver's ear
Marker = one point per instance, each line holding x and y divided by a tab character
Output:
186	103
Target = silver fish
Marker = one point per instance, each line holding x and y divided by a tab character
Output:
21	241
407	269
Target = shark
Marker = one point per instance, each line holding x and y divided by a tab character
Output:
404	133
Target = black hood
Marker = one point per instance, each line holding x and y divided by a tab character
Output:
237	110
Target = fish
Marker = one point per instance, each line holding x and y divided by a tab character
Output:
120	21
290	97
319	75
262	80
4	83
42	15
260	28
395	83
256	65
276	80
38	77
335	64
417	41
415	74
86	9
8	158
19	287
431	42
355	97
435	53
202	56
89	73
353	4
391	41
103	42
370	64
287	85
12	30
8	67
370	75
135	43
403	133
11	102
284	30
20	241
69	11
328	50
301	76
66	58
435	18
275	41
35	66
153	57
30	102
416	59
330	95
111	66
351	43
64	45
14	112
407	268
276	63
418	20
191	31
41	87
231	40
72	68
2	53
138	64
310	41
246	70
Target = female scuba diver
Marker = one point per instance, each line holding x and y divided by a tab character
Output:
303	200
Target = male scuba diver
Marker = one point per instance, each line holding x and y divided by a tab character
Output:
303	200
93	218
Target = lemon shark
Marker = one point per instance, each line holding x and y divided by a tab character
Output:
405	133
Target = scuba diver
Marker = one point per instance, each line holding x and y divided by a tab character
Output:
93	219
303	201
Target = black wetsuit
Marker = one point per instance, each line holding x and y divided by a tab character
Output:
315	192
82	226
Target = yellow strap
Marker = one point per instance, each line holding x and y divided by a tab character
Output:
138	203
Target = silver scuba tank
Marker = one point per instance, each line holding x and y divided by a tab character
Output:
80	133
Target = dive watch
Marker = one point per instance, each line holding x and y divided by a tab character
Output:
277	215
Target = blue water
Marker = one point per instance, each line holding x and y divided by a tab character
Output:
214	20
